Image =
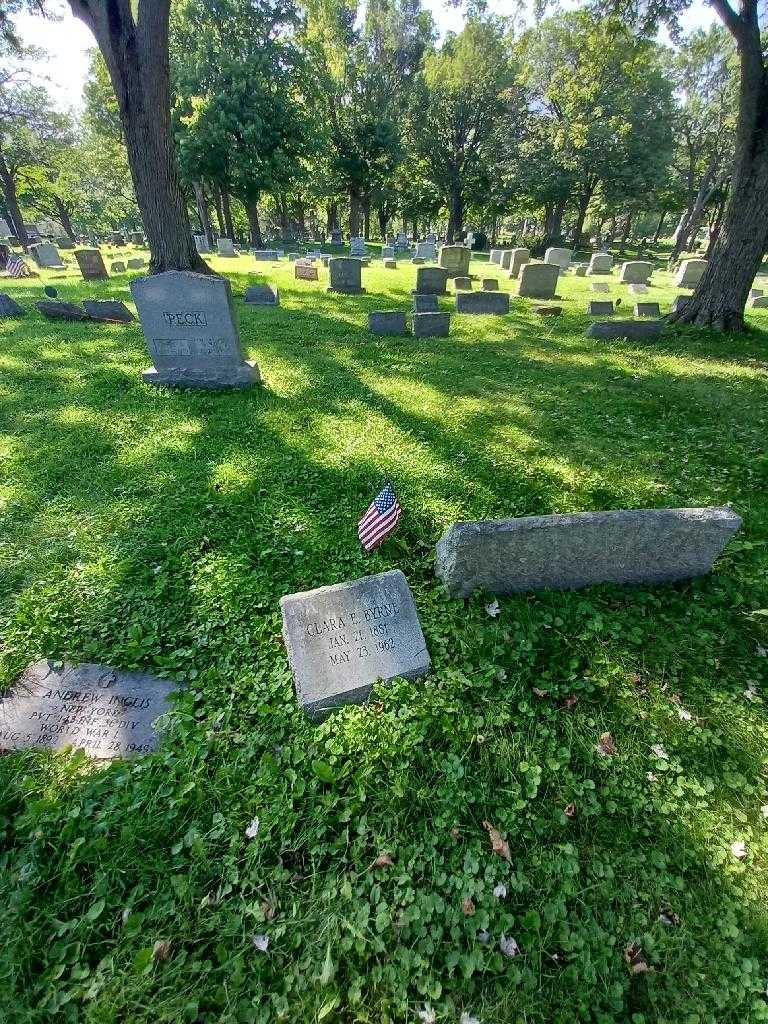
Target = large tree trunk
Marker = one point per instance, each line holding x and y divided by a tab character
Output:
383	222
282	208
301	218
226	209
252	211
366	207
219	211
202	212
625	233
721	294
581	215
456	214
716	225
553	221
331	217
62	214
12	202
659	227
689	227
136	54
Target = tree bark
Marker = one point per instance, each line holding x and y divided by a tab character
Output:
659	227
252	211
581	215
354	211
366	208
136	53
553	221
12	202
721	294
456	214
226	210
625	233
62	214
202	212
383	222
332	217
219	213
689	226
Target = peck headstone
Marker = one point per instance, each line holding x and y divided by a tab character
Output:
190	330
566	552
91	264
95	708
342	639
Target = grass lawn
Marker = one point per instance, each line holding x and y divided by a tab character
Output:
158	530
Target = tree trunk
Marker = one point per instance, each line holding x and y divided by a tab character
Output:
715	226
301	218
135	49
581	214
383	222
366	207
553	221
226	210
659	227
63	215
282	208
721	294
12	202
456	214
625	234
202	212
219	213
689	227
354	211
332	217
252	212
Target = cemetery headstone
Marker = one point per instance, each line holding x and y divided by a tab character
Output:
266	255
560	257
57	310
225	247
495	256
45	255
336	238
690	273
136	264
565	552
580	269
517	260
137	238
9	307
65	243
633	330
345	275
95	708
600	263
386	322
454	259
425	304
538	280
357	247
490	284
91	264
191	332
635	272
647	309
548	310
679	302
108	311
118	267
507	256
388	252
342	639
201	244
494	303
305	272
262	295
597	308
390	264
462	283
431	281
638	289
599	286
431	325
417	261
5	228
426	250
759	302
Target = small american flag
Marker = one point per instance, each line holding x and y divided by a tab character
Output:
380	519
16	266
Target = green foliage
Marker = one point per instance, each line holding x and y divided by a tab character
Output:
159	530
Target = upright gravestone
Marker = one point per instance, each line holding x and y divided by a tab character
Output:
345	275
342	639
336	238
495	303
538	280
494	256
262	295
95	708
91	264
9	307
560	257
5	228
387	252
635	272
225	247
426	250
600	263
304	271
357	246
454	259
191	334
137	238
690	273
564	552
201	244
517	260
45	255
431	281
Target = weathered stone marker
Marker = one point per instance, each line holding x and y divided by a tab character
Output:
262	295
633	330
454	259
431	281
490	284
462	283
517	260
647	309
10	307
55	309
425	304
345	275
45	255
225	247
600	263
341	639
506	556
599	308
538	280
105	712
191	333
108	310
305	272
639	289
560	257
635	272
386	321
91	264
495	303
690	273
431	325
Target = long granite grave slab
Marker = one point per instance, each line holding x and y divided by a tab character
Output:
495	303
55	309
341	639
645	546
191	333
633	330
109	310
262	295
101	710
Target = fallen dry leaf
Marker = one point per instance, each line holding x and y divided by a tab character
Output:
384	861
658	750
633	957
468	906
539	692
427	1015
652	777
268	911
570	811
253	829
161	950
606	747
508	946
500	891
500	846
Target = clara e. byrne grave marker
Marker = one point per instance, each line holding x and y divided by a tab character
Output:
104	712
342	639
191	333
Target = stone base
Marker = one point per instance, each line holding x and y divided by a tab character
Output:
239	377
346	291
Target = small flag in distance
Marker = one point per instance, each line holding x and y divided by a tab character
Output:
380	519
